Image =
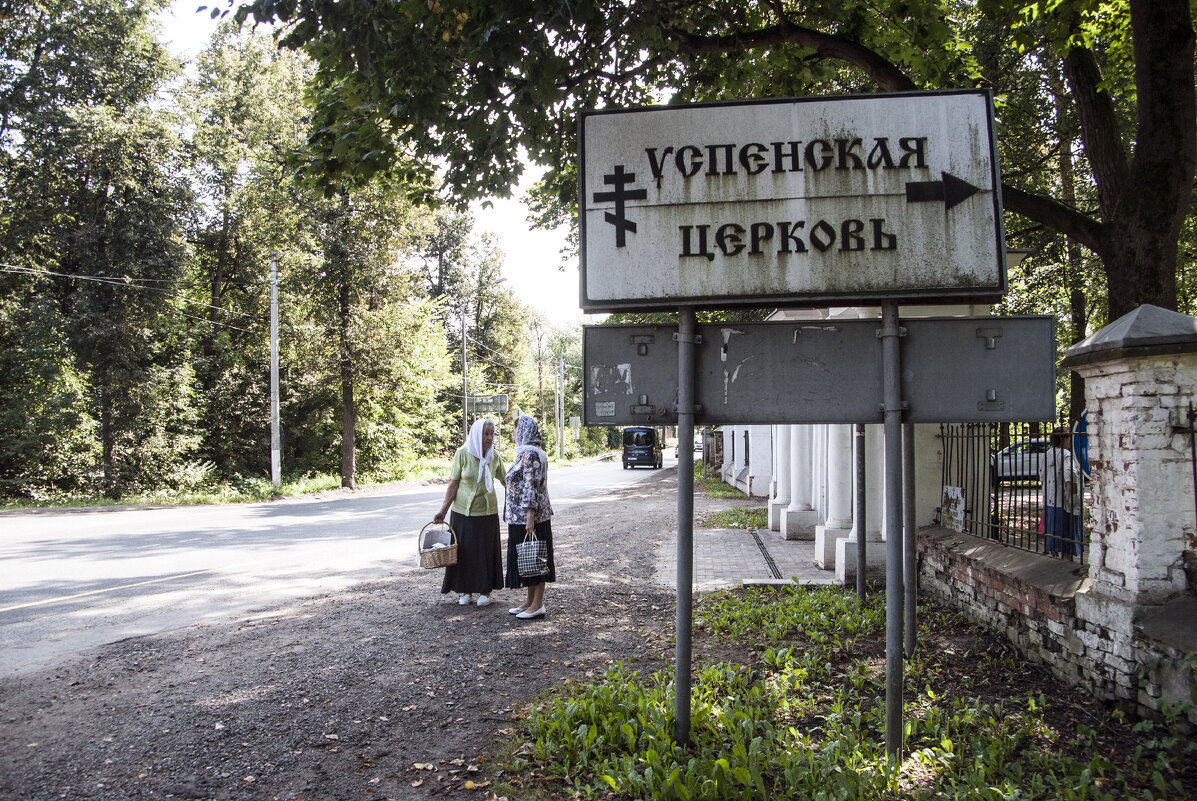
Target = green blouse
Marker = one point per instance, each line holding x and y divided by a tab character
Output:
472	498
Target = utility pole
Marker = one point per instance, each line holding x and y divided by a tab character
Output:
276	454
465	401
557	411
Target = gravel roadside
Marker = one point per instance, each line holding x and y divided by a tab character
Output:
386	691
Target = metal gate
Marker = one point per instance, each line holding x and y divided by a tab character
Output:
1022	484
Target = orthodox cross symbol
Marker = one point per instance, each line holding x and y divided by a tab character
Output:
620	195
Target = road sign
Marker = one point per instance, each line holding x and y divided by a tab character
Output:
487	404
812	201
954	369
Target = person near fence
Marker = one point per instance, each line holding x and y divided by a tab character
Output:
1063	510
473	512
526	510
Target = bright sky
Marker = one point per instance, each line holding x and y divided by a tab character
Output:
530	257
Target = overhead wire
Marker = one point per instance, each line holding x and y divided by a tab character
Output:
125	282
128	283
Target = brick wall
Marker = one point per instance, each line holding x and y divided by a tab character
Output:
1053	617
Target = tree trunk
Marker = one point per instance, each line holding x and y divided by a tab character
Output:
348	429
107	437
1073	260
348	412
1143	200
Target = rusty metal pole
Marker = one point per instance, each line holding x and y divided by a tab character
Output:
892	401
909	550
686	341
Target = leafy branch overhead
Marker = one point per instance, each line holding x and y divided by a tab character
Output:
474	84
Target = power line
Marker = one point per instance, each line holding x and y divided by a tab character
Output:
123	283
487	347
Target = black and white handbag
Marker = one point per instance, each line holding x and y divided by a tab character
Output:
532	556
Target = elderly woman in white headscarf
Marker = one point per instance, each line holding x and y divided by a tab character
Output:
526	509
475	517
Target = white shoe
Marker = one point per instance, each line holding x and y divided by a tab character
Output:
515	610
465	599
528	614
483	600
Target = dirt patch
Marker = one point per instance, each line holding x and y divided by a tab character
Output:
390	690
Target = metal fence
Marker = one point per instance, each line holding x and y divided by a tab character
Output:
1018	484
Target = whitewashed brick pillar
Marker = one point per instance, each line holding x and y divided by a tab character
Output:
1137	386
1140	373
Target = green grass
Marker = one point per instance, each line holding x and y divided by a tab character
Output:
247	490
740	517
803	717
713	486
254	489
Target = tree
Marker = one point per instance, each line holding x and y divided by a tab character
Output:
472	81
349	290
93	204
462	272
363	353
245	113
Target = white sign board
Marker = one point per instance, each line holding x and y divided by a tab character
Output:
484	404
799	202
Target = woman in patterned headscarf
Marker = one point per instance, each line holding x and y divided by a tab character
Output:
527	509
475	517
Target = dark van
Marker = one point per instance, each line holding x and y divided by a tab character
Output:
643	445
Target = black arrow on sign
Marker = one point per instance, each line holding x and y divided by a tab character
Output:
951	190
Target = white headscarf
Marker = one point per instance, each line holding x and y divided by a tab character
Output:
474	448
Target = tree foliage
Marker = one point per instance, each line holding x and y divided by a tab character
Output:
475	83
136	233
93	211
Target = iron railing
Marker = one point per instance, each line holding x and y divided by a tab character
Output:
1014	487
1191	431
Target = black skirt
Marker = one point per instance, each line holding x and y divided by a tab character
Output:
479	568
516	535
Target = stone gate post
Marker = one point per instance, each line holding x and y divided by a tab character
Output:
1140	373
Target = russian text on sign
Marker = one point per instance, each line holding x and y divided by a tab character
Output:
823	200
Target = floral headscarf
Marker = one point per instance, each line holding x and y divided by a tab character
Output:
527	438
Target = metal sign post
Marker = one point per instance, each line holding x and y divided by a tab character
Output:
991	369
814	202
862	512
891	370
686	342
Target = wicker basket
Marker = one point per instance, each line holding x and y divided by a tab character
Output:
437	557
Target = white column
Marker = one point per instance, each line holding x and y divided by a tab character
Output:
773	481
839	495
781	482
729	437
845	549
875	466
800	518
760	461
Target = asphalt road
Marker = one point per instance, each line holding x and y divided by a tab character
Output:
71	580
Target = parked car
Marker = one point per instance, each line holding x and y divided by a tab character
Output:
643	445
697	447
1020	461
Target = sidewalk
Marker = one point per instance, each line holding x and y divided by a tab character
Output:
730	557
